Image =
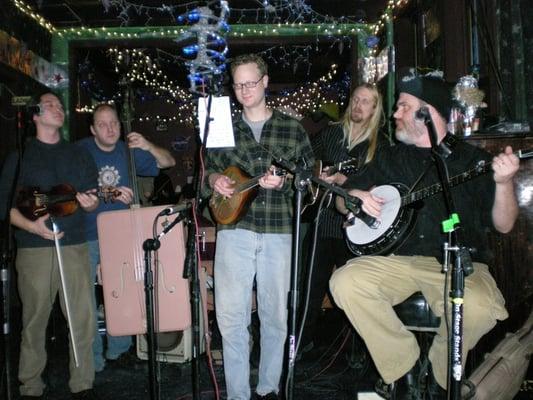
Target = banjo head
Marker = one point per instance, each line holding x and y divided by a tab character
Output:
360	234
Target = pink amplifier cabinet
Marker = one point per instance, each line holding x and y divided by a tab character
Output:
121	235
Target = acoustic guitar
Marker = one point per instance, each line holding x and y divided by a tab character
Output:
227	211
314	194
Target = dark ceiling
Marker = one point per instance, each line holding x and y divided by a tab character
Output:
96	13
293	61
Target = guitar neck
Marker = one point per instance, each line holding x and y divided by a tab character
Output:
481	168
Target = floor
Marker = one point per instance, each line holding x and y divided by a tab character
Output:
338	368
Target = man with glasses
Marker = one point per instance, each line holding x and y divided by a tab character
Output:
49	161
258	246
111	157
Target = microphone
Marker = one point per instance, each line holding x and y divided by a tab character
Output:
354	205
34	109
175	209
422	114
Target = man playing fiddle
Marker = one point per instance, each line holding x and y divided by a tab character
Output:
48	161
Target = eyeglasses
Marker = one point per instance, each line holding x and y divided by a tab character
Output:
247	85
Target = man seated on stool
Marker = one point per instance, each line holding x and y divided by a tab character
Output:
368	287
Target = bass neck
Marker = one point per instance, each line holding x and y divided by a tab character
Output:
127	114
133	178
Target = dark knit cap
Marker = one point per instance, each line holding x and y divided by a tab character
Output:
429	88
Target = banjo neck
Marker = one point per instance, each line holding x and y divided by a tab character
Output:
482	167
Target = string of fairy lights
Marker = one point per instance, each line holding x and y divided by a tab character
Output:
273	18
276	17
140	68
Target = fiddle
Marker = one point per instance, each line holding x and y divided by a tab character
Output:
59	201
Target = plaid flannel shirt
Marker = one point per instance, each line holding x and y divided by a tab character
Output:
282	136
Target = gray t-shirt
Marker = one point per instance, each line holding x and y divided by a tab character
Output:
255	126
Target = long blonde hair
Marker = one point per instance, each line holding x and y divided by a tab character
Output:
371	129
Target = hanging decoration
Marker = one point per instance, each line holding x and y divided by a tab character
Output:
373	68
209	64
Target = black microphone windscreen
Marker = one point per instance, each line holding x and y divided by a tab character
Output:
34	109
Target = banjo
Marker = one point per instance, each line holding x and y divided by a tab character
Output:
397	219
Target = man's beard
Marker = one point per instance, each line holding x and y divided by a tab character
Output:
407	135
403	136
356	117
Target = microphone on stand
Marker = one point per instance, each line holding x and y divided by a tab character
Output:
175	209
354	205
422	114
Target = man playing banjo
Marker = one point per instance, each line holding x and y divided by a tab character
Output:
368	287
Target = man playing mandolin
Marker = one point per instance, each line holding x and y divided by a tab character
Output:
368	287
111	157
49	161
258	246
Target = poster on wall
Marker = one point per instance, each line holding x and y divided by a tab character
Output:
430	26
16	55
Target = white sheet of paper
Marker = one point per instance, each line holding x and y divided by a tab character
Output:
221	127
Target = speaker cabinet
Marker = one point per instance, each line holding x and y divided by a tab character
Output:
173	347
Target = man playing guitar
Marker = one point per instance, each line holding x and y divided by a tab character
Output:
355	139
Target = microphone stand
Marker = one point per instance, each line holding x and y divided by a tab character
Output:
152	245
461	266
303	177
191	264
7	256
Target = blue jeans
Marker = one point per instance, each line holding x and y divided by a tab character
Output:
241	256
116	345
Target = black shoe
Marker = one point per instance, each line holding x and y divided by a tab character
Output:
409	386
387	391
302	351
435	391
88	394
126	359
27	397
405	388
268	396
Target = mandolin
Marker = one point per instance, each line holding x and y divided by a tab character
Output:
59	201
230	210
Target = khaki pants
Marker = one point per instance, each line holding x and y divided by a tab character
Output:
38	285
367	288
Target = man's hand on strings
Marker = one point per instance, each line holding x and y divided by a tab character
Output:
137	141
126	195
337	178
222	184
505	166
270	180
372	204
88	200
